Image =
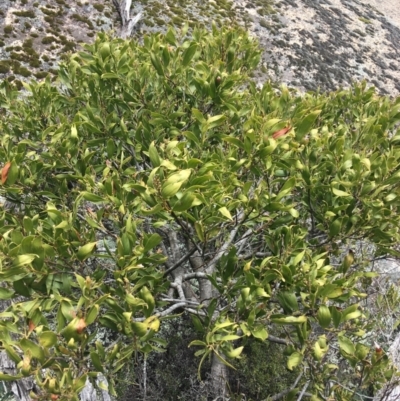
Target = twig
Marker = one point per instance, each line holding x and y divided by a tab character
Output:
183	259
301	395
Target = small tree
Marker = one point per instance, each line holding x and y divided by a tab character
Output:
156	180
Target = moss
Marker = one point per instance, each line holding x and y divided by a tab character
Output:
359	32
27	25
45	58
8	29
48	12
4	67
34	63
24	2
365	20
83	19
159	21
48	39
61	2
28	44
41	74
34	35
90	34
2	43
99	7
10	78
18	84
25	13
24	72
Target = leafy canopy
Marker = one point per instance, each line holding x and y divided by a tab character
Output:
157	179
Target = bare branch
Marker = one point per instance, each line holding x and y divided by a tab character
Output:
183	259
177	284
211	266
301	395
277	340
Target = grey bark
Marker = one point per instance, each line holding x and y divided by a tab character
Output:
128	23
20	388
89	393
219	378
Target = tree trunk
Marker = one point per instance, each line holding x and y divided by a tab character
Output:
219	378
128	22
219	372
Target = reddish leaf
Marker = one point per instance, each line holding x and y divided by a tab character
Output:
4	172
281	132
31	325
81	325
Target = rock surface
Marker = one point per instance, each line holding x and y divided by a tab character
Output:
307	44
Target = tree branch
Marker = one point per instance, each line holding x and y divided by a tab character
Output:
277	340
183	259
211	266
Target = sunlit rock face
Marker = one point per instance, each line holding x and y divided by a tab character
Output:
307	44
326	44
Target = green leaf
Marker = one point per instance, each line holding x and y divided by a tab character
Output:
346	345
338	192
92	314
6	377
188	54
288	301
47	339
185	202
139	328
156	64
324	316
216	121
225	212
174	182
304	126
151	241
294	360
109	75
279	319
259	332
85	251
79	383
22	260
94	356
154	156
92	197
6	293
335	227
29	346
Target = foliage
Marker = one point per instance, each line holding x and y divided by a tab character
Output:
156	179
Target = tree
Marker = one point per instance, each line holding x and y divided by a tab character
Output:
156	180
